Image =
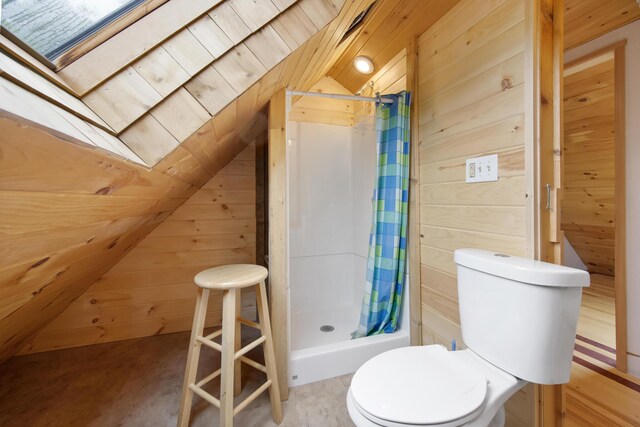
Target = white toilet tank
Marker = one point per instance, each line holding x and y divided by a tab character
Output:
520	314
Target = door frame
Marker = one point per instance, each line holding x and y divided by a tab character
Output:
543	161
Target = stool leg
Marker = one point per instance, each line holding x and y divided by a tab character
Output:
229	317
194	354
237	373
269	355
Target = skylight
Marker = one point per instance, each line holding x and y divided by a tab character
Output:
52	27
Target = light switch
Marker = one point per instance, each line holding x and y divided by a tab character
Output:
482	169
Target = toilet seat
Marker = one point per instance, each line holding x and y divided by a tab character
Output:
425	386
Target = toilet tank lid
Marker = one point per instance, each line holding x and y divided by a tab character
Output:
521	269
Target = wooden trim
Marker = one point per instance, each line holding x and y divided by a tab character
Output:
415	314
105	33
28	50
556	393
530	129
22	82
269	355
609	48
279	236
621	227
543	144
26	59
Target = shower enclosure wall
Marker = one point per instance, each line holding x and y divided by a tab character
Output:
331	173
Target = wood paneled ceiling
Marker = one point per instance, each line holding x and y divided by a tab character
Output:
388	28
586	20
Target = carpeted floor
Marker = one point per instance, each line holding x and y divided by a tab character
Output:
138	383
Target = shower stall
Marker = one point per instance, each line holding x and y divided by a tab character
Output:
330	179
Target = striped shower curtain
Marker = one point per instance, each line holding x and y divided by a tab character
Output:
387	259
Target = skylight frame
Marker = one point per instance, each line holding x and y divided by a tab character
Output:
84	42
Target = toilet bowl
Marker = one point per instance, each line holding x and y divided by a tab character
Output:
429	386
518	318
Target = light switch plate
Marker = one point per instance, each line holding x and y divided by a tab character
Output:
482	169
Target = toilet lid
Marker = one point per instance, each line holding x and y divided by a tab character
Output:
418	385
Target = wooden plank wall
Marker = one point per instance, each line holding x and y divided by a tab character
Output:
67	214
151	291
471	103
324	110
588	207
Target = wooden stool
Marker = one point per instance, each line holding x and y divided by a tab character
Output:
230	279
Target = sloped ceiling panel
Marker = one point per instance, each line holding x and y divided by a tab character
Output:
390	26
586	20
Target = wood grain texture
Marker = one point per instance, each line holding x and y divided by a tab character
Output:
599	394
387	30
278	236
73	211
153	283
324	110
231	53
586	20
39	84
470	103
589	196
191	49
18	102
69	213
119	51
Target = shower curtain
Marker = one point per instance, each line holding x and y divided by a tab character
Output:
387	258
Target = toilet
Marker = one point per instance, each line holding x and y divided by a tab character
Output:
518	318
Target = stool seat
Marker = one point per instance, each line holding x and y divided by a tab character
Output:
234	276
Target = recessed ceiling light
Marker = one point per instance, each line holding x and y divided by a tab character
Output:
363	64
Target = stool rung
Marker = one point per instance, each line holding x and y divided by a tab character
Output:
203	394
208	378
250	323
253	364
214	335
244	350
209	343
251	397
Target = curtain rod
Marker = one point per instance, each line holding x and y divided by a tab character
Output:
339	96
